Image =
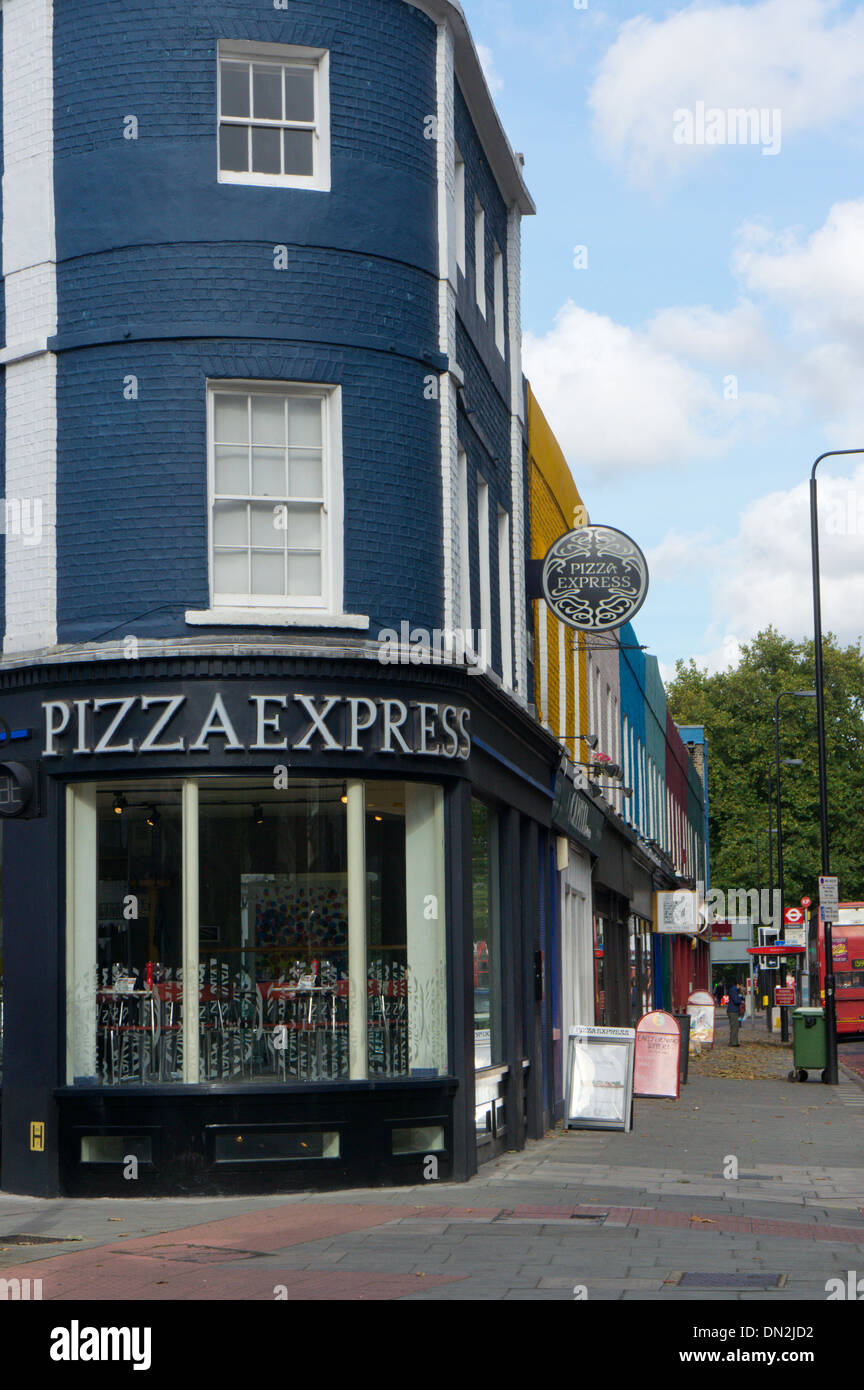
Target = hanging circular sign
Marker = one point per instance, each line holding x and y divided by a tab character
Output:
595	578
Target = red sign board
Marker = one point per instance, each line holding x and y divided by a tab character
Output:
783	996
721	931
793	917
656	1069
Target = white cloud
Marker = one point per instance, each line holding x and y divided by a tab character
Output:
615	400
679	553
818	283
720	657
494	80
620	400
804	58
735	339
819	280
764	576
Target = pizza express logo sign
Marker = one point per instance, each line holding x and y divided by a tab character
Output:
259	724
595	578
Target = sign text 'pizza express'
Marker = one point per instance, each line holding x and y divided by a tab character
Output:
261	724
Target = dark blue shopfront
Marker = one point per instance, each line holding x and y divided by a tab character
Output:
344	866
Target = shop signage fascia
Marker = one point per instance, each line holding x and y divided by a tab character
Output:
677	913
243	720
576	815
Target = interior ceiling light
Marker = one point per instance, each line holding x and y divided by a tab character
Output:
154	816
120	803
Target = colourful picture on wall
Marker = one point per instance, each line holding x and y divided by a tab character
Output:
305	911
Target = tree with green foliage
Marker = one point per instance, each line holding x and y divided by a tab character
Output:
737	709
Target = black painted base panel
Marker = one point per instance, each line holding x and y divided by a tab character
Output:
185	1141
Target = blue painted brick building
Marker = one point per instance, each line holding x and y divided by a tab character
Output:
274	835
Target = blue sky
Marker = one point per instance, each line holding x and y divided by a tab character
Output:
714	345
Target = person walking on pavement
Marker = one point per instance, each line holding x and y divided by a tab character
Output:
736	999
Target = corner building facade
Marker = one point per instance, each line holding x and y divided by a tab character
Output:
272	915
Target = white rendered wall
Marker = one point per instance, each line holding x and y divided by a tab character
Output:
29	270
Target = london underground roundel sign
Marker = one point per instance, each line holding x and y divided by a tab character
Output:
595	578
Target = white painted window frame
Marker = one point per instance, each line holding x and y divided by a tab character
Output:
287	55
505	597
329	602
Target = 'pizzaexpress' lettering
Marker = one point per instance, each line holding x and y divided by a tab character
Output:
91	727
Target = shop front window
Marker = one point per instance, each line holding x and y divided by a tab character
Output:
272	899
405	964
488	1046
273	931
125	960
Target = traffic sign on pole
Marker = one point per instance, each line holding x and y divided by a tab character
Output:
806	902
829	898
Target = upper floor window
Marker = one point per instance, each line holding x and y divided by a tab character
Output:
483	552
274	115
498	281
459	199
506	600
275	496
480	256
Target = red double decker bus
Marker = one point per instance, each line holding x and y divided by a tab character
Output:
848	944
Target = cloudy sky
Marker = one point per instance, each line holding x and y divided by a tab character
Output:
707	341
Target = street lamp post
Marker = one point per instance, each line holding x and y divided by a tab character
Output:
769	975
791	762
781	892
831	1075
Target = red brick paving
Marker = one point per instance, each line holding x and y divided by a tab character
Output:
193	1263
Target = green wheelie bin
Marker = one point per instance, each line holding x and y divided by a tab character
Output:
808	1042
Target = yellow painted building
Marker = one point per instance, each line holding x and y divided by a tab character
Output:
560	673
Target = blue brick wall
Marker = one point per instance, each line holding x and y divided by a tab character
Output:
132	481
232	289
168	275
159	63
480	184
